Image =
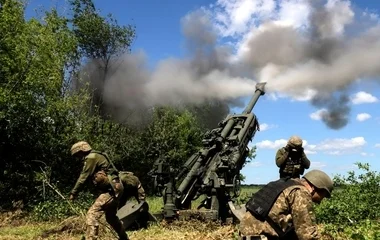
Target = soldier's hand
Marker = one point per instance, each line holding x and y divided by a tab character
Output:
72	197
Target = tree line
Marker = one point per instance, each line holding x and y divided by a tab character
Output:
46	106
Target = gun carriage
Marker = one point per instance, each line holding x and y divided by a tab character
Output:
213	172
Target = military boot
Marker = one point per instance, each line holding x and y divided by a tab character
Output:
123	235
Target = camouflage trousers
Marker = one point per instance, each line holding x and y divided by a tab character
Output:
252	229
106	203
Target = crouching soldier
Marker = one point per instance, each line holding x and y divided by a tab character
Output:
98	168
283	209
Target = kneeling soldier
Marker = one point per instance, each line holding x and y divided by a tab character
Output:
283	209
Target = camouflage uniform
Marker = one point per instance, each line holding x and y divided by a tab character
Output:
293	207
132	188
97	167
292	159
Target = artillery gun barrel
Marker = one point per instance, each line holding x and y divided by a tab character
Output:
260	90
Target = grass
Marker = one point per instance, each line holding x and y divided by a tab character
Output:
189	230
156	203
73	227
27	231
20	227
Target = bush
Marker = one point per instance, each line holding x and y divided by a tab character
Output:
56	208
354	207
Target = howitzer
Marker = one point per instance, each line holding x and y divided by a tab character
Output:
214	171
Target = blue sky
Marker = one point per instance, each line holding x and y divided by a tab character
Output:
285	109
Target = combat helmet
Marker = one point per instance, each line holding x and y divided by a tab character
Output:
295	141
320	180
80	146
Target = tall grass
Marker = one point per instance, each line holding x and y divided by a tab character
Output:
156	203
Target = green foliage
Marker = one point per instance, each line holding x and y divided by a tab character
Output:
354	204
39	117
58	209
246	193
173	134
101	40
251	156
33	56
99	37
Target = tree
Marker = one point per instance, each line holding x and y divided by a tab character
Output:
33	112
173	134
101	41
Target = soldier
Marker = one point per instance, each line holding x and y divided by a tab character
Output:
292	159
132	188
283	208
97	167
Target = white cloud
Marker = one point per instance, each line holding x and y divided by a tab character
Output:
339	146
377	145
336	146
371	15
363	97
294	13
309	152
317	115
267	144
317	165
255	164
362	117
365	154
265	126
347	167
341	143
235	18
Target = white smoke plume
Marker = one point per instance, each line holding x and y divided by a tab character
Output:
296	46
332	47
205	75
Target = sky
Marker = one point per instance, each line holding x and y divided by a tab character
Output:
321	62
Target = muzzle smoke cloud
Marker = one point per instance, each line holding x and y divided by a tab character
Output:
334	51
130	88
330	51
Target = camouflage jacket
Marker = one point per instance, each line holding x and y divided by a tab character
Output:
293	207
132	187
93	163
291	166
